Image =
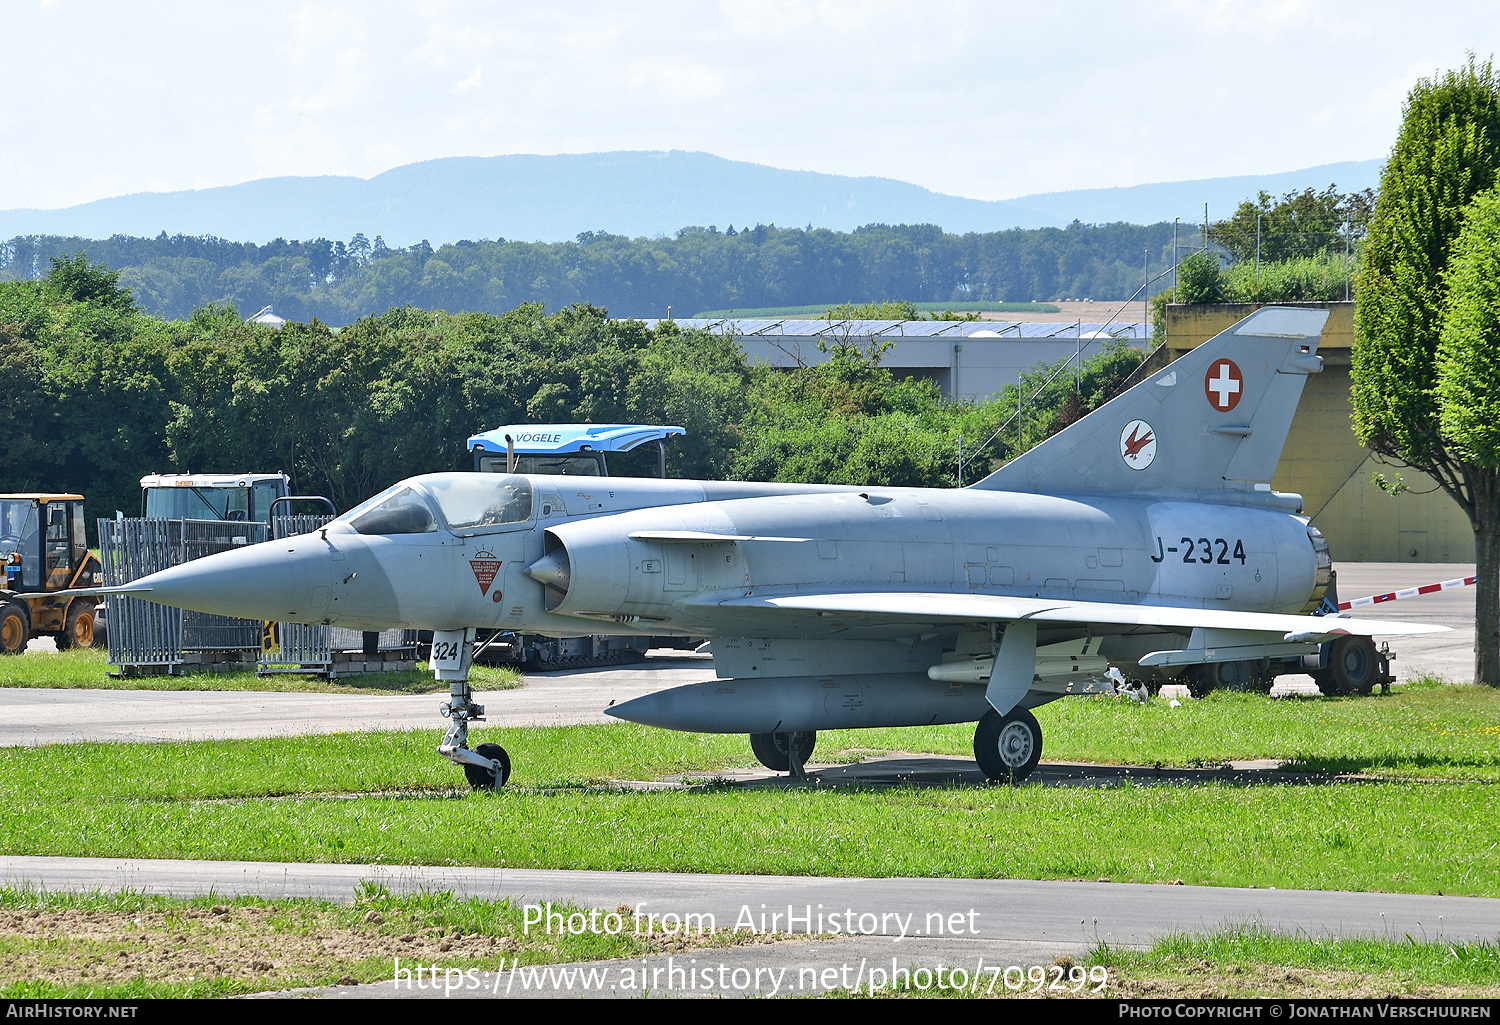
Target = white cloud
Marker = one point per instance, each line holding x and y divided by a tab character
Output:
469	83
670	81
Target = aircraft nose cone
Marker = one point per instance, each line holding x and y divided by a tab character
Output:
284	580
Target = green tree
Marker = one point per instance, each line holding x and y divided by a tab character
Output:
1060	394
891	309
27	454
1468	387
1198	279
1302	223
77	279
1448	151
1468	378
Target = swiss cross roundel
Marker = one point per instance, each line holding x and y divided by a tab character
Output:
1224	384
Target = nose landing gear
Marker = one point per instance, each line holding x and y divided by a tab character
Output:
493	778
488	766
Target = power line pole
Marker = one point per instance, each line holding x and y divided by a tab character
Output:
1257	253
1347	228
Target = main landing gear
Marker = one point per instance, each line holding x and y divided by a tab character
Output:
488	766
1008	747
1354	667
784	752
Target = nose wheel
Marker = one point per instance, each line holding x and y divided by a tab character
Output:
493	777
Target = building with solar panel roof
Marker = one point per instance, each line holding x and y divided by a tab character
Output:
969	359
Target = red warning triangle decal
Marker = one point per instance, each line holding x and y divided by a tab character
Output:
485	567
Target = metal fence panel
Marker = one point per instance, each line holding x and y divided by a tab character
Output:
305	523
297	647
345	639
202	631
141	633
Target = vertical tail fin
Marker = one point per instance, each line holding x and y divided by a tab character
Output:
1215	419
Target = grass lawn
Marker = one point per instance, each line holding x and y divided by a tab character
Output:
1423	730
370	797
1253	963
1414	771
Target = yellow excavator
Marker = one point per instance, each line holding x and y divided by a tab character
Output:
44	549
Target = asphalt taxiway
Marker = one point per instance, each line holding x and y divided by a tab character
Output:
847	926
43	716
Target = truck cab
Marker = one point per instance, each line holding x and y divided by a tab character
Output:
44	549
243	497
588	450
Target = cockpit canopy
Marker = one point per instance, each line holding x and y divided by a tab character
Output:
460	502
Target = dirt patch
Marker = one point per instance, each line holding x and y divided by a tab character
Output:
228	949
240	948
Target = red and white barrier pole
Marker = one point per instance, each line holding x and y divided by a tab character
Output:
1408	592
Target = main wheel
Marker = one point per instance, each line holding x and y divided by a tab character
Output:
15	627
1205	679
1353	666
78	630
1261	681
775	749
1324	679
483	779
1008	748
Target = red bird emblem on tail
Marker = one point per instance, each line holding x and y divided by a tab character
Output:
1138	445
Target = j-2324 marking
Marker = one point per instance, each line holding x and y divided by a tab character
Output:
1188	547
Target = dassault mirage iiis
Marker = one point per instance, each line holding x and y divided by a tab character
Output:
1142	540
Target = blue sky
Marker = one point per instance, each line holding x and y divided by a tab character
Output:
986	100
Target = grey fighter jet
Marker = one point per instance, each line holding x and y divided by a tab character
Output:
1143	540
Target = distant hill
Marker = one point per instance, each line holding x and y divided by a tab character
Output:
1148	204
554	198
